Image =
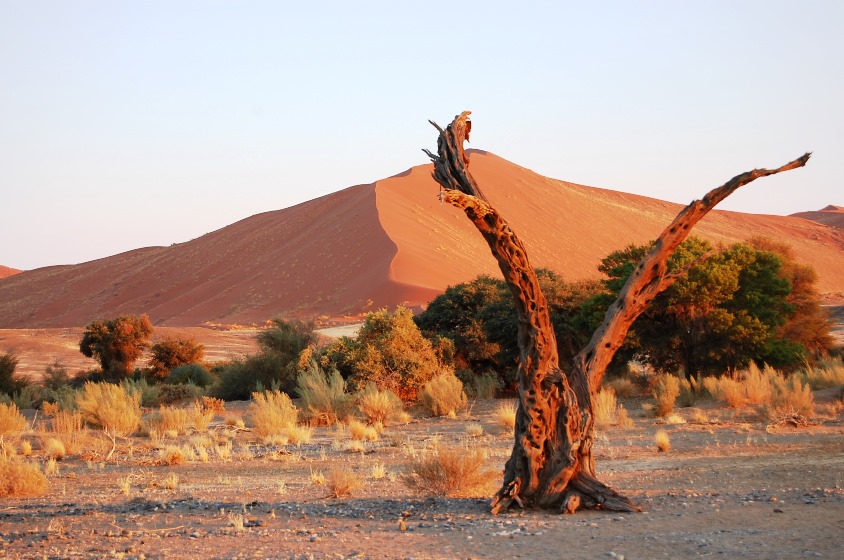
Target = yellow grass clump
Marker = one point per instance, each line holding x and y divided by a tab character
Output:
272	413
505	415
173	455
622	386
608	411
449	471
20	479
380	406
665	390
361	432
341	480
825	374
663	442
443	395
110	407
324	397
169	419
11	419
54	449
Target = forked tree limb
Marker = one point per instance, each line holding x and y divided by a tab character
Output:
651	275
552	465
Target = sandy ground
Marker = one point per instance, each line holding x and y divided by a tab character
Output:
730	487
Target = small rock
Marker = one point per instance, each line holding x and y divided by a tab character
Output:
778	510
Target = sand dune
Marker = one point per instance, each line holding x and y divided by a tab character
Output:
5	271
832	216
376	245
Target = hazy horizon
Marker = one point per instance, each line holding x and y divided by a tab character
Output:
134	125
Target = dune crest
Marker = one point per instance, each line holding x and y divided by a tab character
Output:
383	244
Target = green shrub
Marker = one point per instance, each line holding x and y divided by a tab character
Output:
196	374
10	381
56	376
147	394
443	395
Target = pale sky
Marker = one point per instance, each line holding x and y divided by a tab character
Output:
131	124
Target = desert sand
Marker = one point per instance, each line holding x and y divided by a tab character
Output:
730	487
382	244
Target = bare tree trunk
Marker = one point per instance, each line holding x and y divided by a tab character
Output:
551	465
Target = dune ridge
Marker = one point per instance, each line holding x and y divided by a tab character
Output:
382	244
6	271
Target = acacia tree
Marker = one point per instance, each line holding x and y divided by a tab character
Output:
117	343
551	465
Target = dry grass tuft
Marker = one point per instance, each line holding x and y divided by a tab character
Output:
380	406
51	468
474	429
216	406
171	482
665	390
663	442
443	395
449	471
21	479
361	432
169	419
298	435
608	411
505	415
825	374
173	455
324	395
201	417
379	471
622	386
11	419
54	449
273	413
317	478
110	407
341	481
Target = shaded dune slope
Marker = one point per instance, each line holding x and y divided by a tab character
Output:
832	216
377	245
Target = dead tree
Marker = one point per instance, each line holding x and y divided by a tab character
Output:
551	465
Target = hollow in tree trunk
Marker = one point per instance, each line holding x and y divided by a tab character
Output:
552	465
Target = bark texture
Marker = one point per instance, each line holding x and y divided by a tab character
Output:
551	465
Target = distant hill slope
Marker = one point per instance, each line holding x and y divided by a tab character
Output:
832	216
376	245
5	271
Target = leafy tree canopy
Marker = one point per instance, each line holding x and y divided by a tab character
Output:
117	343
171	352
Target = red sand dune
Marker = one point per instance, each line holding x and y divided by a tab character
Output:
832	216
376	245
5	271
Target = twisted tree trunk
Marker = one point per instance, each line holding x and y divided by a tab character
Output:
551	465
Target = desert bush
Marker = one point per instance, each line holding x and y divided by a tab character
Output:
168	394
217	406
64	397
10	381
323	394
448	471
21	479
380	406
484	386
28	397
169	418
116	343
54	449
201	417
272	413
390	352
505	415
146	393
360	432
195	374
67	427
173	455
341	480
11	420
56	376
758	388
792	396
110	407
687	396
665	390
824	374
170	353
622	386
608	411
731	392
443	395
